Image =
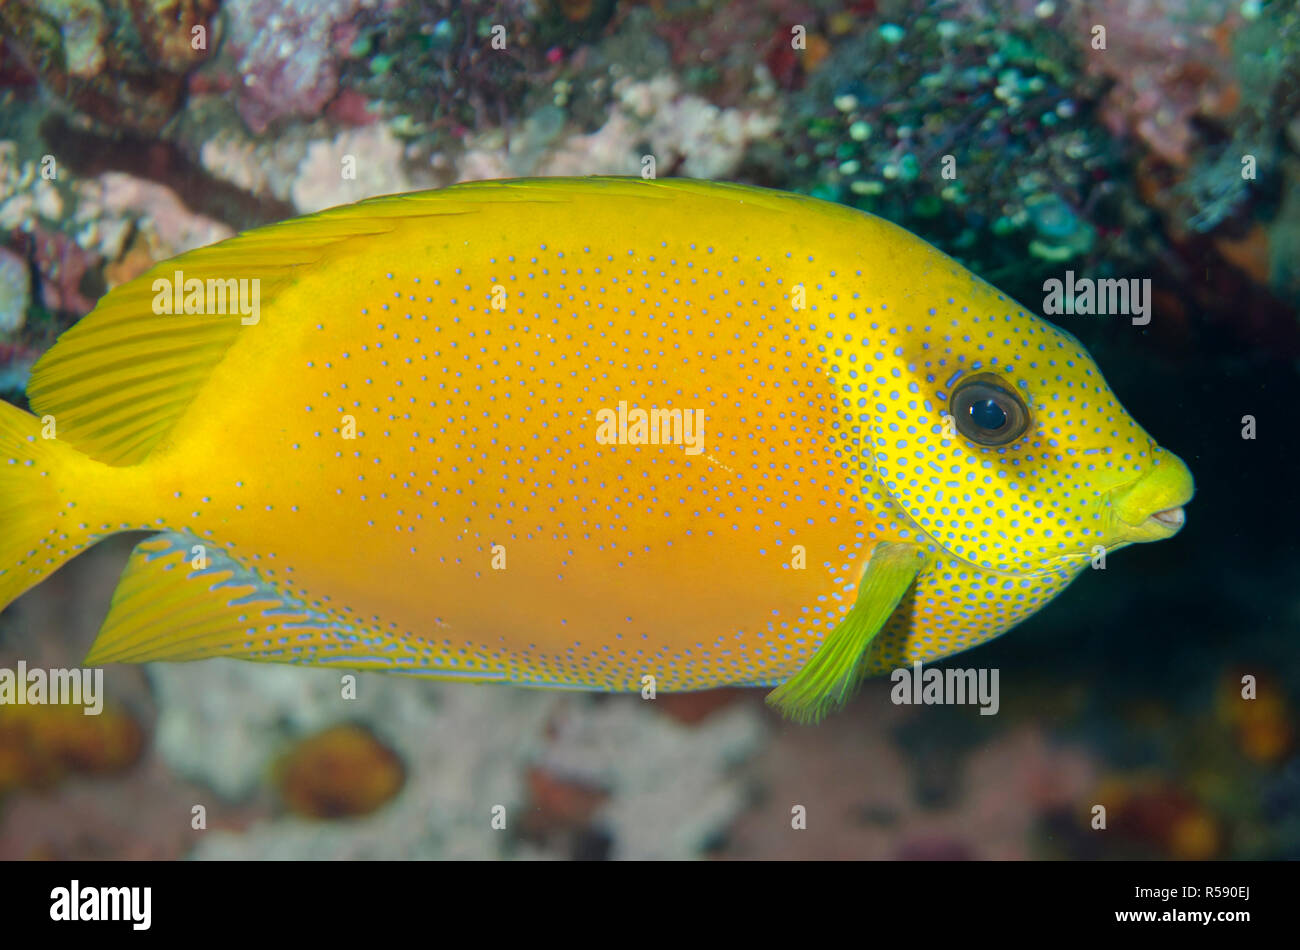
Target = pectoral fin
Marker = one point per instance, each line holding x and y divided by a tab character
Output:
830	676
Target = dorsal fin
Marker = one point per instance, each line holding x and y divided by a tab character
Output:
118	380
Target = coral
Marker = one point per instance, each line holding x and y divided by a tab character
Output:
685	135
25	194
559	804
144	814
121	62
1170	62
434	67
239	162
670	793
41	745
968	127
669	787
1264	726
1148	812
262	168
885	781
1119	161
340	772
356	164
110	215
287	55
1059	232
689	135
716	45
1202	88
170	228
15	291
68	273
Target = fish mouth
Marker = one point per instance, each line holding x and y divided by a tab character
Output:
1151	508
1169	521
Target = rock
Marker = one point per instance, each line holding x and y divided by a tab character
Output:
15	291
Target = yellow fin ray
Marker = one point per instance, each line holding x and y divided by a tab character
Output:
109	346
165	609
829	677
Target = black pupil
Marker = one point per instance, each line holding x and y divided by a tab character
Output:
987	414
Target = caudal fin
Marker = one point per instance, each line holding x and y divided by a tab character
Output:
41	524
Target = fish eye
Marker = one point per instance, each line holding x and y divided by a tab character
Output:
988	411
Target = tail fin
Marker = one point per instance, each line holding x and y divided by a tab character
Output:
41	524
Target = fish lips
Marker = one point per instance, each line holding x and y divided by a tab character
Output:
1151	507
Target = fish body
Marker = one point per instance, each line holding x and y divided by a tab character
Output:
420	450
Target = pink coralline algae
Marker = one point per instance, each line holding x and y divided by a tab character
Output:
1170	62
288	52
62	265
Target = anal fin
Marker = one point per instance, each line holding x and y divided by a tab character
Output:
172	605
166	608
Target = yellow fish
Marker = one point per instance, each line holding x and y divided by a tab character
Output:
576	433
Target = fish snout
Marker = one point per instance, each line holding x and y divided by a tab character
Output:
1151	508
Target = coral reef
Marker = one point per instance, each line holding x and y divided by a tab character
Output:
1169	63
671	789
356	164
69	274
446	67
682	133
715	46
26	196
670	785
1202	88
82	235
863	781
340	772
921	117
287	55
15	291
152	209
119	62
40	745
